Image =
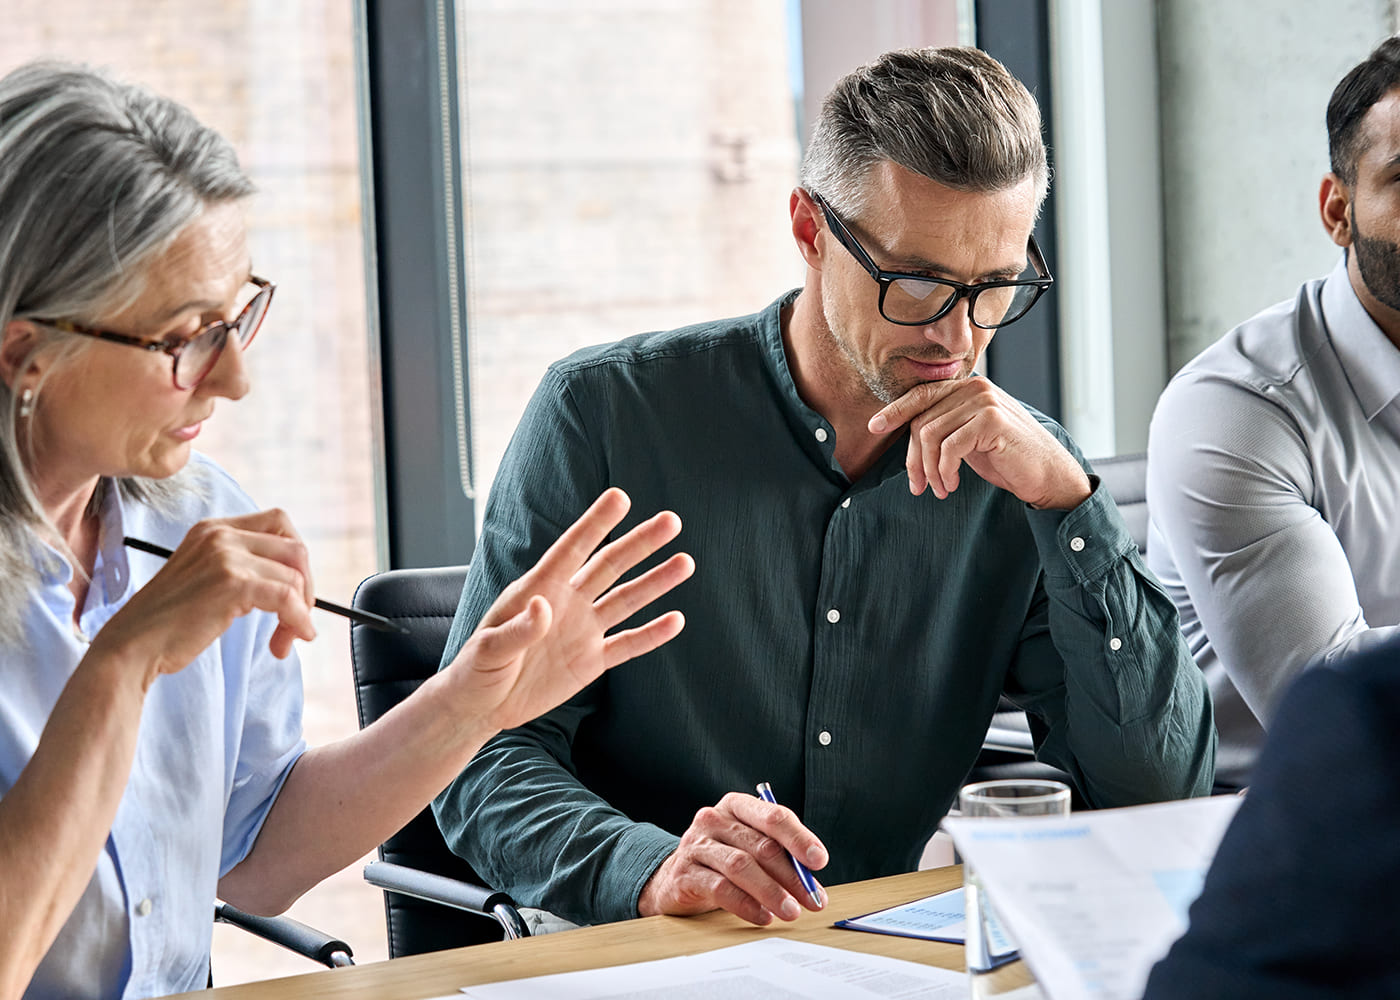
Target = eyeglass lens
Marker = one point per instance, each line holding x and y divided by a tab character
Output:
909	300
202	351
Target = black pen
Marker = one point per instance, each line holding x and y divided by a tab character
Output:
363	617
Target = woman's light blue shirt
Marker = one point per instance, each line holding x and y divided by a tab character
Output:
217	740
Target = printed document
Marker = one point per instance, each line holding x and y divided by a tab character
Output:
774	968
1095	898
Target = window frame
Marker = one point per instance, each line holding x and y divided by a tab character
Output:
416	260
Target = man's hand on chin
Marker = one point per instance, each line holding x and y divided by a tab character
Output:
971	420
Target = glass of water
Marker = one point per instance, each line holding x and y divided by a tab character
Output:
989	949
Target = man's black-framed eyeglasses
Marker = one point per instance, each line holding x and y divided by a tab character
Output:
918	300
193	357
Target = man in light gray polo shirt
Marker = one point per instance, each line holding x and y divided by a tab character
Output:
1274	457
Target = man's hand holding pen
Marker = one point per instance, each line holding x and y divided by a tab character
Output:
738	856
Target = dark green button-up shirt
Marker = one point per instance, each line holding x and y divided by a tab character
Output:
845	641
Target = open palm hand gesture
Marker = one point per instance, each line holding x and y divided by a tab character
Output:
546	636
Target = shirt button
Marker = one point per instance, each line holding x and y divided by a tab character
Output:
833	616
824	738
846	502
143	908
1115	644
1077	544
821	434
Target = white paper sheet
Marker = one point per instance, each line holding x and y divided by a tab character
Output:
775	968
1095	898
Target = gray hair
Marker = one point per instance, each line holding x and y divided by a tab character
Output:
954	115
97	178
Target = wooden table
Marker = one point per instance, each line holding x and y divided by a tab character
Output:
616	944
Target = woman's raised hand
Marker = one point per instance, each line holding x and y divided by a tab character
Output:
545	637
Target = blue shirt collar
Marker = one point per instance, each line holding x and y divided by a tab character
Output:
111	574
111	565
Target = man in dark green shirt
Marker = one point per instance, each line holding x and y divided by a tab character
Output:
885	543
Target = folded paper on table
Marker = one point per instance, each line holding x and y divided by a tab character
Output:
1095	898
932	918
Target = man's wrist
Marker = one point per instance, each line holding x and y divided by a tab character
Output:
1069	498
648	900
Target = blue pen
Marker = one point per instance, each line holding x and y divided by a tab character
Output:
765	792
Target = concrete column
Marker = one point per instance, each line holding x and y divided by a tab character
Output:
1244	89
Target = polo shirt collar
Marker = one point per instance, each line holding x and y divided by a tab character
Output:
1366	354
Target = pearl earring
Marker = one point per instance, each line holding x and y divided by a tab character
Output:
26	403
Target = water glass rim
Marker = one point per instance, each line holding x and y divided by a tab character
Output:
1048	790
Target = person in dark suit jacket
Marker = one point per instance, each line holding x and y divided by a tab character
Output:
1300	902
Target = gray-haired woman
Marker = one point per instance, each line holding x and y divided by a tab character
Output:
150	745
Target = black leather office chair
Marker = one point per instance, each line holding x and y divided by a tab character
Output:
1008	751
432	898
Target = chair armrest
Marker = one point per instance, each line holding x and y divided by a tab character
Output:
448	892
290	934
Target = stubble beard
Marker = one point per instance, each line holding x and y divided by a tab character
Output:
1378	261
883	382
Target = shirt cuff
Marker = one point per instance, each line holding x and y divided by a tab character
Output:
1081	544
639	851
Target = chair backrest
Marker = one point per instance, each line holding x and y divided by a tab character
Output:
388	668
1125	477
